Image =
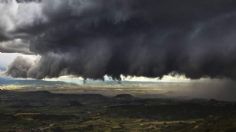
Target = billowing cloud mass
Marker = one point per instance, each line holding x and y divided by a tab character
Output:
93	38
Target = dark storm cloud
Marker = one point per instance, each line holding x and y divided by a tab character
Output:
19	68
91	38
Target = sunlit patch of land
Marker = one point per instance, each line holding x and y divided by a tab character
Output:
13	87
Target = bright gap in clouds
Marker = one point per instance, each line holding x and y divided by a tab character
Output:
7	58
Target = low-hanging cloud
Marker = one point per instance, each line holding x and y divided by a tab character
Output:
92	38
20	67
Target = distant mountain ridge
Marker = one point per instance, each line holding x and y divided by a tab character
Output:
11	81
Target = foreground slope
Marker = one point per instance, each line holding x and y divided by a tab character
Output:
44	111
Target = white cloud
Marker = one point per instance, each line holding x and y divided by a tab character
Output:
67	79
166	78
15	15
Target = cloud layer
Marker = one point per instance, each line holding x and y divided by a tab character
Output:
91	38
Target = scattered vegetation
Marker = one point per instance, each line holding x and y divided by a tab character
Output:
44	111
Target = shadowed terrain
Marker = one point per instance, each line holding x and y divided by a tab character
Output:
45	111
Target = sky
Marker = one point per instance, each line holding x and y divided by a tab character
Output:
139	40
6	59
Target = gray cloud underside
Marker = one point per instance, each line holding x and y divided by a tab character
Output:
15	46
91	38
